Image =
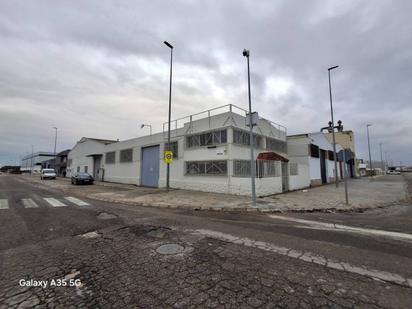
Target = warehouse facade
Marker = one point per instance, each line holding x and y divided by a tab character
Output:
211	152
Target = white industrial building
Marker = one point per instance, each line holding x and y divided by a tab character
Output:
312	160
33	162
211	153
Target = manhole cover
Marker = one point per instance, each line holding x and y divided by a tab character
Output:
170	249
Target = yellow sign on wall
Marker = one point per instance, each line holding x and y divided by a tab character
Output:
168	157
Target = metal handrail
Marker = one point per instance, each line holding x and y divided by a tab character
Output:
231	107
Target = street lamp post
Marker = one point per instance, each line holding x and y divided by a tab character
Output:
246	54
382	164
170	113
147	125
369	148
333	127
55	144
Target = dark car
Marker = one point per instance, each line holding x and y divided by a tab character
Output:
82	178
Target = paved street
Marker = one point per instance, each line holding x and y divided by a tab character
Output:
113	255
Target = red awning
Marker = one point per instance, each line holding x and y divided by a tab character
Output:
273	156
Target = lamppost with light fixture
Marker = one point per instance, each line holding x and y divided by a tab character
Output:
246	54
369	148
170	113
333	127
147	125
55	144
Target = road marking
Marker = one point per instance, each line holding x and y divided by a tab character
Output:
4	204
29	203
345	228
310	257
76	201
54	202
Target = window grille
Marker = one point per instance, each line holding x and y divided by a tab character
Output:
205	168
294	169
243	138
267	168
314	151
241	168
264	168
110	157
126	155
69	162
78	169
207	139
276	145
86	169
173	148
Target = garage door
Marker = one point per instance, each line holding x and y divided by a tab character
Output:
150	166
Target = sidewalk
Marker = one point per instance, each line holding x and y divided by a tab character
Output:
364	194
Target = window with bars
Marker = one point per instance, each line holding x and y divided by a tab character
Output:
293	169
86	169
242	137
276	145
264	168
206	168
110	157
126	155
207	139
69	162
173	148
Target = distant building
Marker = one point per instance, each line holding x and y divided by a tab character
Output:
59	163
33	162
347	140
312	160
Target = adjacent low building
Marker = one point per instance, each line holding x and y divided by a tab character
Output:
59	164
211	152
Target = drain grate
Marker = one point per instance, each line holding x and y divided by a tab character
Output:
170	249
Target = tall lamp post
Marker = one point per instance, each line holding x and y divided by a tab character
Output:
382	164
246	54
170	113
369	148
333	127
55	144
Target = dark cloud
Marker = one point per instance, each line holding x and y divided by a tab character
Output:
99	68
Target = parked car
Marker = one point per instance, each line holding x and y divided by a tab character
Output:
393	172
82	178
48	173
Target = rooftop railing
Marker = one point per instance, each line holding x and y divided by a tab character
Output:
180	122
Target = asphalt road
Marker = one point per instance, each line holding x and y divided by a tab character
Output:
225	260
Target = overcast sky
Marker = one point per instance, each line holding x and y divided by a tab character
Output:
100	69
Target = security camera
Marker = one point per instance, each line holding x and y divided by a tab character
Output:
142	126
245	53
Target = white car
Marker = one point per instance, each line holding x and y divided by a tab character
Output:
48	173
393	172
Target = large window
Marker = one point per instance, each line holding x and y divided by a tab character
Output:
206	168
173	148
241	168
243	138
207	139
126	155
110	157
275	145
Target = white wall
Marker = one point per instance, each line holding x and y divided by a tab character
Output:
79	155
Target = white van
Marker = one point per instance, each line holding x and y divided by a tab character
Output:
48	173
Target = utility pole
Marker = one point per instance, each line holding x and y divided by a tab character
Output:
31	160
382	164
246	54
